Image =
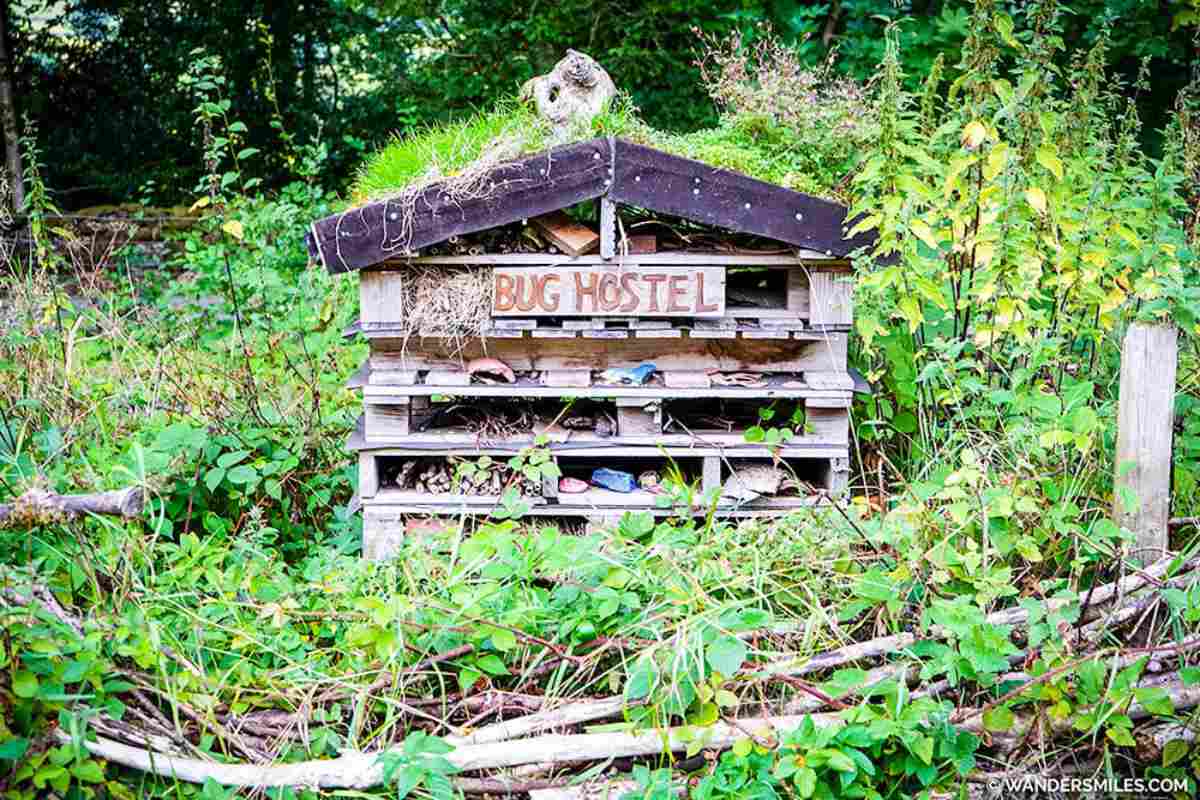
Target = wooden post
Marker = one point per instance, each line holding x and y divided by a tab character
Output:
1142	485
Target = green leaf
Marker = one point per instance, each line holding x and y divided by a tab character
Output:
1155	700
227	460
24	684
998	719
467	679
503	639
213	478
922	747
13	749
242	474
910	309
1036	198
88	772
1121	737
806	781
726	654
492	665
1175	751
841	762
1047	158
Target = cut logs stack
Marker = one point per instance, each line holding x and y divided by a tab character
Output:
618	354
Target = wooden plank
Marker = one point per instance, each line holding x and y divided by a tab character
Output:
767	333
827	424
712	474
824	354
838	380
831	299
386	421
393	377
383	532
716	329
549	488
797	292
609	333
566	234
520	189
662	182
582	324
842	401
835	476
608	227
763	508
380	297
448	377
368	475
775	387
608	291
567	378
687	379
1145	420
673	445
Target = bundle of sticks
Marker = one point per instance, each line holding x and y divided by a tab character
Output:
536	745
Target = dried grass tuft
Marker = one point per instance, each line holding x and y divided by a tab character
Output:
447	302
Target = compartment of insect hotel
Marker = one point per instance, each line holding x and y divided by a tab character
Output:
626	330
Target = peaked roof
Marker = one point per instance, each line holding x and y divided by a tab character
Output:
626	173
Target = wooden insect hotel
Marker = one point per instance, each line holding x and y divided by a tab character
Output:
629	310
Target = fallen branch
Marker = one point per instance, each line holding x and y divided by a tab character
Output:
37	507
356	770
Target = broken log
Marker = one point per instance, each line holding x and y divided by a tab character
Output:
38	507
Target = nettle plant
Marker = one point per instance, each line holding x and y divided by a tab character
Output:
1019	226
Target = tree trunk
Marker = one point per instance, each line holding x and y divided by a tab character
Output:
8	115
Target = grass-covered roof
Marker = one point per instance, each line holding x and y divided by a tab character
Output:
752	144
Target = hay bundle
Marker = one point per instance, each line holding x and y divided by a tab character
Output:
446	302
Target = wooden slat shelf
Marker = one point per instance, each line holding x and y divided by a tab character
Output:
582	504
689	330
784	387
587	443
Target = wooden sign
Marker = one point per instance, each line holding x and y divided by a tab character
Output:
600	290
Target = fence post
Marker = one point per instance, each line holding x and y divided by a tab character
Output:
1145	418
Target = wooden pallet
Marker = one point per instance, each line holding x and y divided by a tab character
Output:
393	418
787	351
385	508
803	293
